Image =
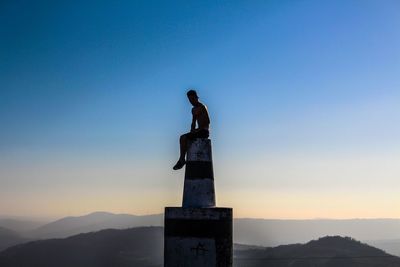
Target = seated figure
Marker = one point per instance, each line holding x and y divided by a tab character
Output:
201	117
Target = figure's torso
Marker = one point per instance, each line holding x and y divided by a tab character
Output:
200	114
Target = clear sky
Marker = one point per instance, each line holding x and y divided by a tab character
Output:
304	101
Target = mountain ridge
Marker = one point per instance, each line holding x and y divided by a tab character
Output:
382	233
9	238
94	221
332	251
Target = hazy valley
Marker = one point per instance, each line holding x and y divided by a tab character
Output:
256	241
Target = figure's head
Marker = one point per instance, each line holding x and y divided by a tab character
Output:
193	98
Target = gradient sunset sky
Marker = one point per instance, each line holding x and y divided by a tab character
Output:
304	98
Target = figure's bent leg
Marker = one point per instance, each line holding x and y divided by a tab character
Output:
183	147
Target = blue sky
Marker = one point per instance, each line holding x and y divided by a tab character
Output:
303	97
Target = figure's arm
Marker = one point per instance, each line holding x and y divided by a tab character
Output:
207	115
193	125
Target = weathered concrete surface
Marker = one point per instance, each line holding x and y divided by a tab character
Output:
193	252
199	188
199	150
198	193
198	237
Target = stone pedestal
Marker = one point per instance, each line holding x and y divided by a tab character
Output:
198	234
198	237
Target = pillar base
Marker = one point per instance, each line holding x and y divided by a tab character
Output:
198	237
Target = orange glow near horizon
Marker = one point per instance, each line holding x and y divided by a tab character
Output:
245	204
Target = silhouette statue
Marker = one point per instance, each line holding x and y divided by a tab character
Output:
201	117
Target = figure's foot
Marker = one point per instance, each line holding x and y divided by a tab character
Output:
179	164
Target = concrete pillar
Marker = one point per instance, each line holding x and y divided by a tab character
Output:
198	234
199	189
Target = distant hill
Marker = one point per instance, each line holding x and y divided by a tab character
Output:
9	238
269	233
334	251
141	247
19	225
93	222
